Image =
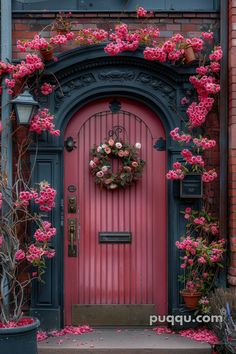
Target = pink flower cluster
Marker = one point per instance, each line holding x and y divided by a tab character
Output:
71	330
201	335
188	244
10	84
59	39
37	43
207	35
191	159
30	65
20	323
186	138
199	251
19	255
125	40
209	176
195	43
46	197
89	36
34	253
0	200
196	219
217	54
5	68
198	334
45	233
215	67
141	12
170	50
204	143
46	88
197	112
25	197
176	173
43	121
62	332
157	54
27	67
41	335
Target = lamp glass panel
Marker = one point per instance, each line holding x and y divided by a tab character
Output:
24	112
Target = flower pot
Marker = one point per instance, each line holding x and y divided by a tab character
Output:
62	31
191	186
189	55
46	54
19	340
191	299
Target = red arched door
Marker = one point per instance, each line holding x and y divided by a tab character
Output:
132	273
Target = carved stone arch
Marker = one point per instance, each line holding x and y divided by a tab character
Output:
86	74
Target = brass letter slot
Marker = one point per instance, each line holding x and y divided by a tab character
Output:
72	248
115	237
72	205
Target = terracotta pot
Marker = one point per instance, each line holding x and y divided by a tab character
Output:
62	31
189	55
191	299
46	54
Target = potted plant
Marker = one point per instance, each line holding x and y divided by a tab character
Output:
62	24
38	44
201	256
22	256
47	52
189	55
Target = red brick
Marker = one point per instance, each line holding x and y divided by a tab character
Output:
232	271
190	27
232	280
172	27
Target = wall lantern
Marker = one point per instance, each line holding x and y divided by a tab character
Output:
24	105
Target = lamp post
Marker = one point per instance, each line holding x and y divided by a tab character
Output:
25	106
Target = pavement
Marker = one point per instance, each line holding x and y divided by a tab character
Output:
122	341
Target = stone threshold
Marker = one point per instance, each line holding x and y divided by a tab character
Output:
122	341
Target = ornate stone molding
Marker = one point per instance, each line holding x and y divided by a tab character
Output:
116	75
69	87
167	91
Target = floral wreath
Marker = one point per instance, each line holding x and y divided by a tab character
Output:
101	164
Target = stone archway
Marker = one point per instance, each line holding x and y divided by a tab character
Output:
85	75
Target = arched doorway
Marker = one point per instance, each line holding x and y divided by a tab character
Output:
86	75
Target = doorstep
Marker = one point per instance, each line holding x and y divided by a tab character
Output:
122	341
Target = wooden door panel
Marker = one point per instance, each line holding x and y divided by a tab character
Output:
117	273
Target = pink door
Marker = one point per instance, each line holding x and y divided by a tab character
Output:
132	273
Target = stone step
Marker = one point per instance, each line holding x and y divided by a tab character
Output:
122	341
112	315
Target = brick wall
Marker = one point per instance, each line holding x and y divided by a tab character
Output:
189	24
232	140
